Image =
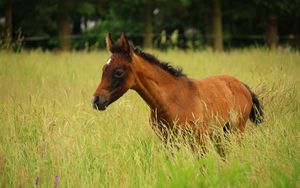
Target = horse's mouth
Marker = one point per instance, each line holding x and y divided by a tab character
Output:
103	102
100	106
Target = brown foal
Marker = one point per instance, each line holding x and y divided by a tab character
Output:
175	99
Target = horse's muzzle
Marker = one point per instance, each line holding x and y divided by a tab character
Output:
98	104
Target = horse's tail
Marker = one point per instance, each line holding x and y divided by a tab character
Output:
256	114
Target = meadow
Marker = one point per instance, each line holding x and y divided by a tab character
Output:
51	137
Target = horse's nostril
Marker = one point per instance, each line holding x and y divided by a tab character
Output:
95	100
98	104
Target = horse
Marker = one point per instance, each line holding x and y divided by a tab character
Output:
174	98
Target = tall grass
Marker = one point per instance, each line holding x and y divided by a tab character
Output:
50	136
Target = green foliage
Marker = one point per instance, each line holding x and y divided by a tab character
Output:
49	129
86	9
243	22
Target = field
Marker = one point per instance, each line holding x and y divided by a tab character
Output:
50	135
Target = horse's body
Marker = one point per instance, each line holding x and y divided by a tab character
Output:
212	101
200	105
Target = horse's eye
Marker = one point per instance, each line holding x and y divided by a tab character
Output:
118	73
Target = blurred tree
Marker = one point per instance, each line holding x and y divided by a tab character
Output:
217	26
143	20
8	24
207	16
270	12
148	33
85	12
289	24
20	17
171	16
79	23
8	19
64	24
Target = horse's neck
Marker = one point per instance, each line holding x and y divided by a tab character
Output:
155	85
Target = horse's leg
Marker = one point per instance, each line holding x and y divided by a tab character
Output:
164	132
242	118
227	129
241	125
158	129
200	144
217	138
220	137
200	135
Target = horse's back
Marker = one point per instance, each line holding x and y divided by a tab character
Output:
224	96
223	85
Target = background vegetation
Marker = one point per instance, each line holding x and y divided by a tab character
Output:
194	24
50	135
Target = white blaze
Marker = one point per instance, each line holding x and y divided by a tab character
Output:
108	61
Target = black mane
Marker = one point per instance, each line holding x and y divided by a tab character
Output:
177	72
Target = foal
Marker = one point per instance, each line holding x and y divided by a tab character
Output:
221	101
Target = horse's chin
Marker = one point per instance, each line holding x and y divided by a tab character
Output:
101	107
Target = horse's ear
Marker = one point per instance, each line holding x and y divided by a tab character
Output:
124	43
109	42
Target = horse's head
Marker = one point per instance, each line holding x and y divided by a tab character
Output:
117	75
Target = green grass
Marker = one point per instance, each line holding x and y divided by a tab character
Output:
48	128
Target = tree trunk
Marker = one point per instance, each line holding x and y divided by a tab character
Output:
271	33
148	28
8	25
64	29
217	26
208	31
